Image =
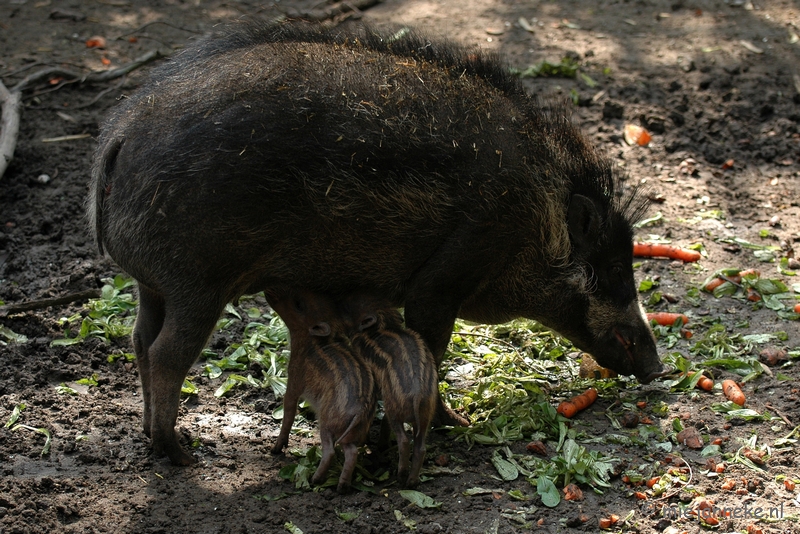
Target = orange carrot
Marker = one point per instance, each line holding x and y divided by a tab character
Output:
713	284
576	404
705	383
667	318
797	308
639	495
733	392
605	522
573	493
653	481
752	295
748	272
652	250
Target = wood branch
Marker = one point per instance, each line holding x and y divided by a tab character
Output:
350	7
11	101
46	303
91	77
9	125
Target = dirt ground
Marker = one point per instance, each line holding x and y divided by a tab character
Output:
717	83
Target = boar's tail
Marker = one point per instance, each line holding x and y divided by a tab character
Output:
104	161
355	421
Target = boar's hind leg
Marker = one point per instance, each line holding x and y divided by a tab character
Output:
328	451
294	388
403	450
149	320
183	335
350	458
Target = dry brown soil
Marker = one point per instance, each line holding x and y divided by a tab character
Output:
713	80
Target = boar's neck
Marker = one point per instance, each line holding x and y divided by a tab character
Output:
530	290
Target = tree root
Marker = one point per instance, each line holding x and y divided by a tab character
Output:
46	303
11	100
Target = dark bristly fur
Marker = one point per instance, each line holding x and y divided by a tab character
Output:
405	372
345	161
325	371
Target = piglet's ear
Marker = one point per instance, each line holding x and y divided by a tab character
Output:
366	322
320	330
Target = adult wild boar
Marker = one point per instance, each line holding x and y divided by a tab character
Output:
341	161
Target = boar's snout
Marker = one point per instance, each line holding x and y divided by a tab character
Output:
629	349
639	353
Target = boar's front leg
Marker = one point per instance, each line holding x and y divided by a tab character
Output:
436	291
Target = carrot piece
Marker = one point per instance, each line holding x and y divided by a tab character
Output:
752	295
636	135
605	522
713	284
748	272
639	495
667	318
576	404
704	383
573	493
653	481
96	42
614	519
652	250
788	484
733	392
797	308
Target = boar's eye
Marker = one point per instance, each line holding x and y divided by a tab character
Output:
615	272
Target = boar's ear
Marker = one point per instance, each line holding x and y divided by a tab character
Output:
320	330
583	221
366	322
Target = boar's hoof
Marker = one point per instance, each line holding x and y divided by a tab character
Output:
176	454
412	482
